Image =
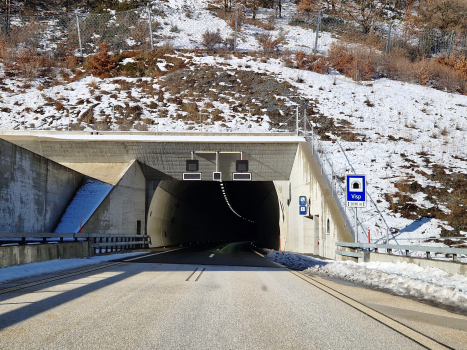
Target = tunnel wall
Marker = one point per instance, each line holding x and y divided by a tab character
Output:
267	221
123	207
34	191
179	213
309	234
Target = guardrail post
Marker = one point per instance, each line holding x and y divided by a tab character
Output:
389	251
428	255
454	257
407	253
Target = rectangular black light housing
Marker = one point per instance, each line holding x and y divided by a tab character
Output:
241	165
217	176
192	176
192	165
241	176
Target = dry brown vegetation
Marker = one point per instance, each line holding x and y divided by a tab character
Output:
366	63
452	194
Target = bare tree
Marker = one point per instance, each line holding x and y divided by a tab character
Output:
365	12
444	14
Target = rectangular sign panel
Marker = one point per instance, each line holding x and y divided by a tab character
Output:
192	176
302	210
302	200
356	191
241	176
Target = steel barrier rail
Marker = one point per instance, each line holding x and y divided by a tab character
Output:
100	242
406	248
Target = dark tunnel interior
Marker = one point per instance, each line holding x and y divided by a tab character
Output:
210	211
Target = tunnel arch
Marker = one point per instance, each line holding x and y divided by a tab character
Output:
186	212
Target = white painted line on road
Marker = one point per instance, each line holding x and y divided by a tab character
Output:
410	333
263	256
145	256
211	255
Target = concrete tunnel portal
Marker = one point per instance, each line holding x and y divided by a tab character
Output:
199	211
145	193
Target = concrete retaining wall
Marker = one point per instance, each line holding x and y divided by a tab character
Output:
323	226
25	254
34	191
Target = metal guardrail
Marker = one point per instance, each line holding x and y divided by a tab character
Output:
352	254
405	248
100	242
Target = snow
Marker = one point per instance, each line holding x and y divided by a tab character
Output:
86	201
51	266
407	128
401	278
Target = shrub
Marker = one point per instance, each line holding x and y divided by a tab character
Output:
211	39
268	44
102	63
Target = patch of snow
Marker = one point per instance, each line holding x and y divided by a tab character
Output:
39	268
401	278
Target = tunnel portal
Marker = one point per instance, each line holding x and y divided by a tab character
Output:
189	212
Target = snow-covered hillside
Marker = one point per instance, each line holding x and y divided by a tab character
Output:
408	139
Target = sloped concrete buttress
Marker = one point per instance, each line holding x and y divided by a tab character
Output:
123	207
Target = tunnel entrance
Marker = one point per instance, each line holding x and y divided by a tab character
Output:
188	212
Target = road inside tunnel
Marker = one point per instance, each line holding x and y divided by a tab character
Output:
190	212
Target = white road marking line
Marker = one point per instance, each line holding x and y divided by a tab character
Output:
264	256
145	256
211	255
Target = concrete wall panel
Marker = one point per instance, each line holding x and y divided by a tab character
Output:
25	254
123	207
34	191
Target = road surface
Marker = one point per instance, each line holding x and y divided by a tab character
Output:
217	296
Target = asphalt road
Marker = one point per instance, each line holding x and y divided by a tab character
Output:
206	297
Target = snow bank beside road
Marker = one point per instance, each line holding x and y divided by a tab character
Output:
404	279
39	268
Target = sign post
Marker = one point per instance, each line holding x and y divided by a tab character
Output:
356	195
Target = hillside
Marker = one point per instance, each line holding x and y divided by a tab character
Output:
407	138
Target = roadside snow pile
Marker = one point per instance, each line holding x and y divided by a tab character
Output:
404	279
39	268
294	261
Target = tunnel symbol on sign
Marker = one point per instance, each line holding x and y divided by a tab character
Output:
356	185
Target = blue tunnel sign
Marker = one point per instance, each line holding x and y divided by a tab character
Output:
356	191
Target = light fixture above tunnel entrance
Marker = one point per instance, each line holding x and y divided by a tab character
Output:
241	167
192	165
